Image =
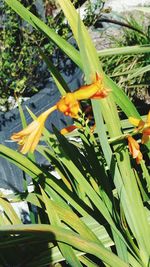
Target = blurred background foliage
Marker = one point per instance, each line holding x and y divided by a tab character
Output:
23	71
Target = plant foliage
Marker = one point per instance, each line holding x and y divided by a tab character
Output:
88	208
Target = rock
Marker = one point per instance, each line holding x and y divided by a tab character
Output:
125	5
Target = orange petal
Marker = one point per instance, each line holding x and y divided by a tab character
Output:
32	140
148	118
30	128
69	105
133	147
88	91
101	94
134	121
68	129
147	131
36	139
29	137
145	136
139	157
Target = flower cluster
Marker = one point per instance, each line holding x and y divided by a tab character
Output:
143	127
68	104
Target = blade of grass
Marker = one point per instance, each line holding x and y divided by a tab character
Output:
122	250
138	72
137	49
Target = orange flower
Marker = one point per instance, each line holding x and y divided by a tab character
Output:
143	127
134	149
69	105
29	137
145	136
68	129
95	90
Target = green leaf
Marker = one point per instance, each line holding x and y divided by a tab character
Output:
137	49
66	236
60	82
22	116
66	215
21	161
9	211
87	262
66	250
138	72
36	173
121	99
68	161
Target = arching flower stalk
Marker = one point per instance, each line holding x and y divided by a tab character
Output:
68	104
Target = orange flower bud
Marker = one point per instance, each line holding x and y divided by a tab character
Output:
94	90
134	149
69	105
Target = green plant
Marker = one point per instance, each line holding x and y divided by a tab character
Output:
131	72
19	70
92	12
19	58
90	215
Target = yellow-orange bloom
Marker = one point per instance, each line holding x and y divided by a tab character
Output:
134	149
94	90
29	137
69	105
143	127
